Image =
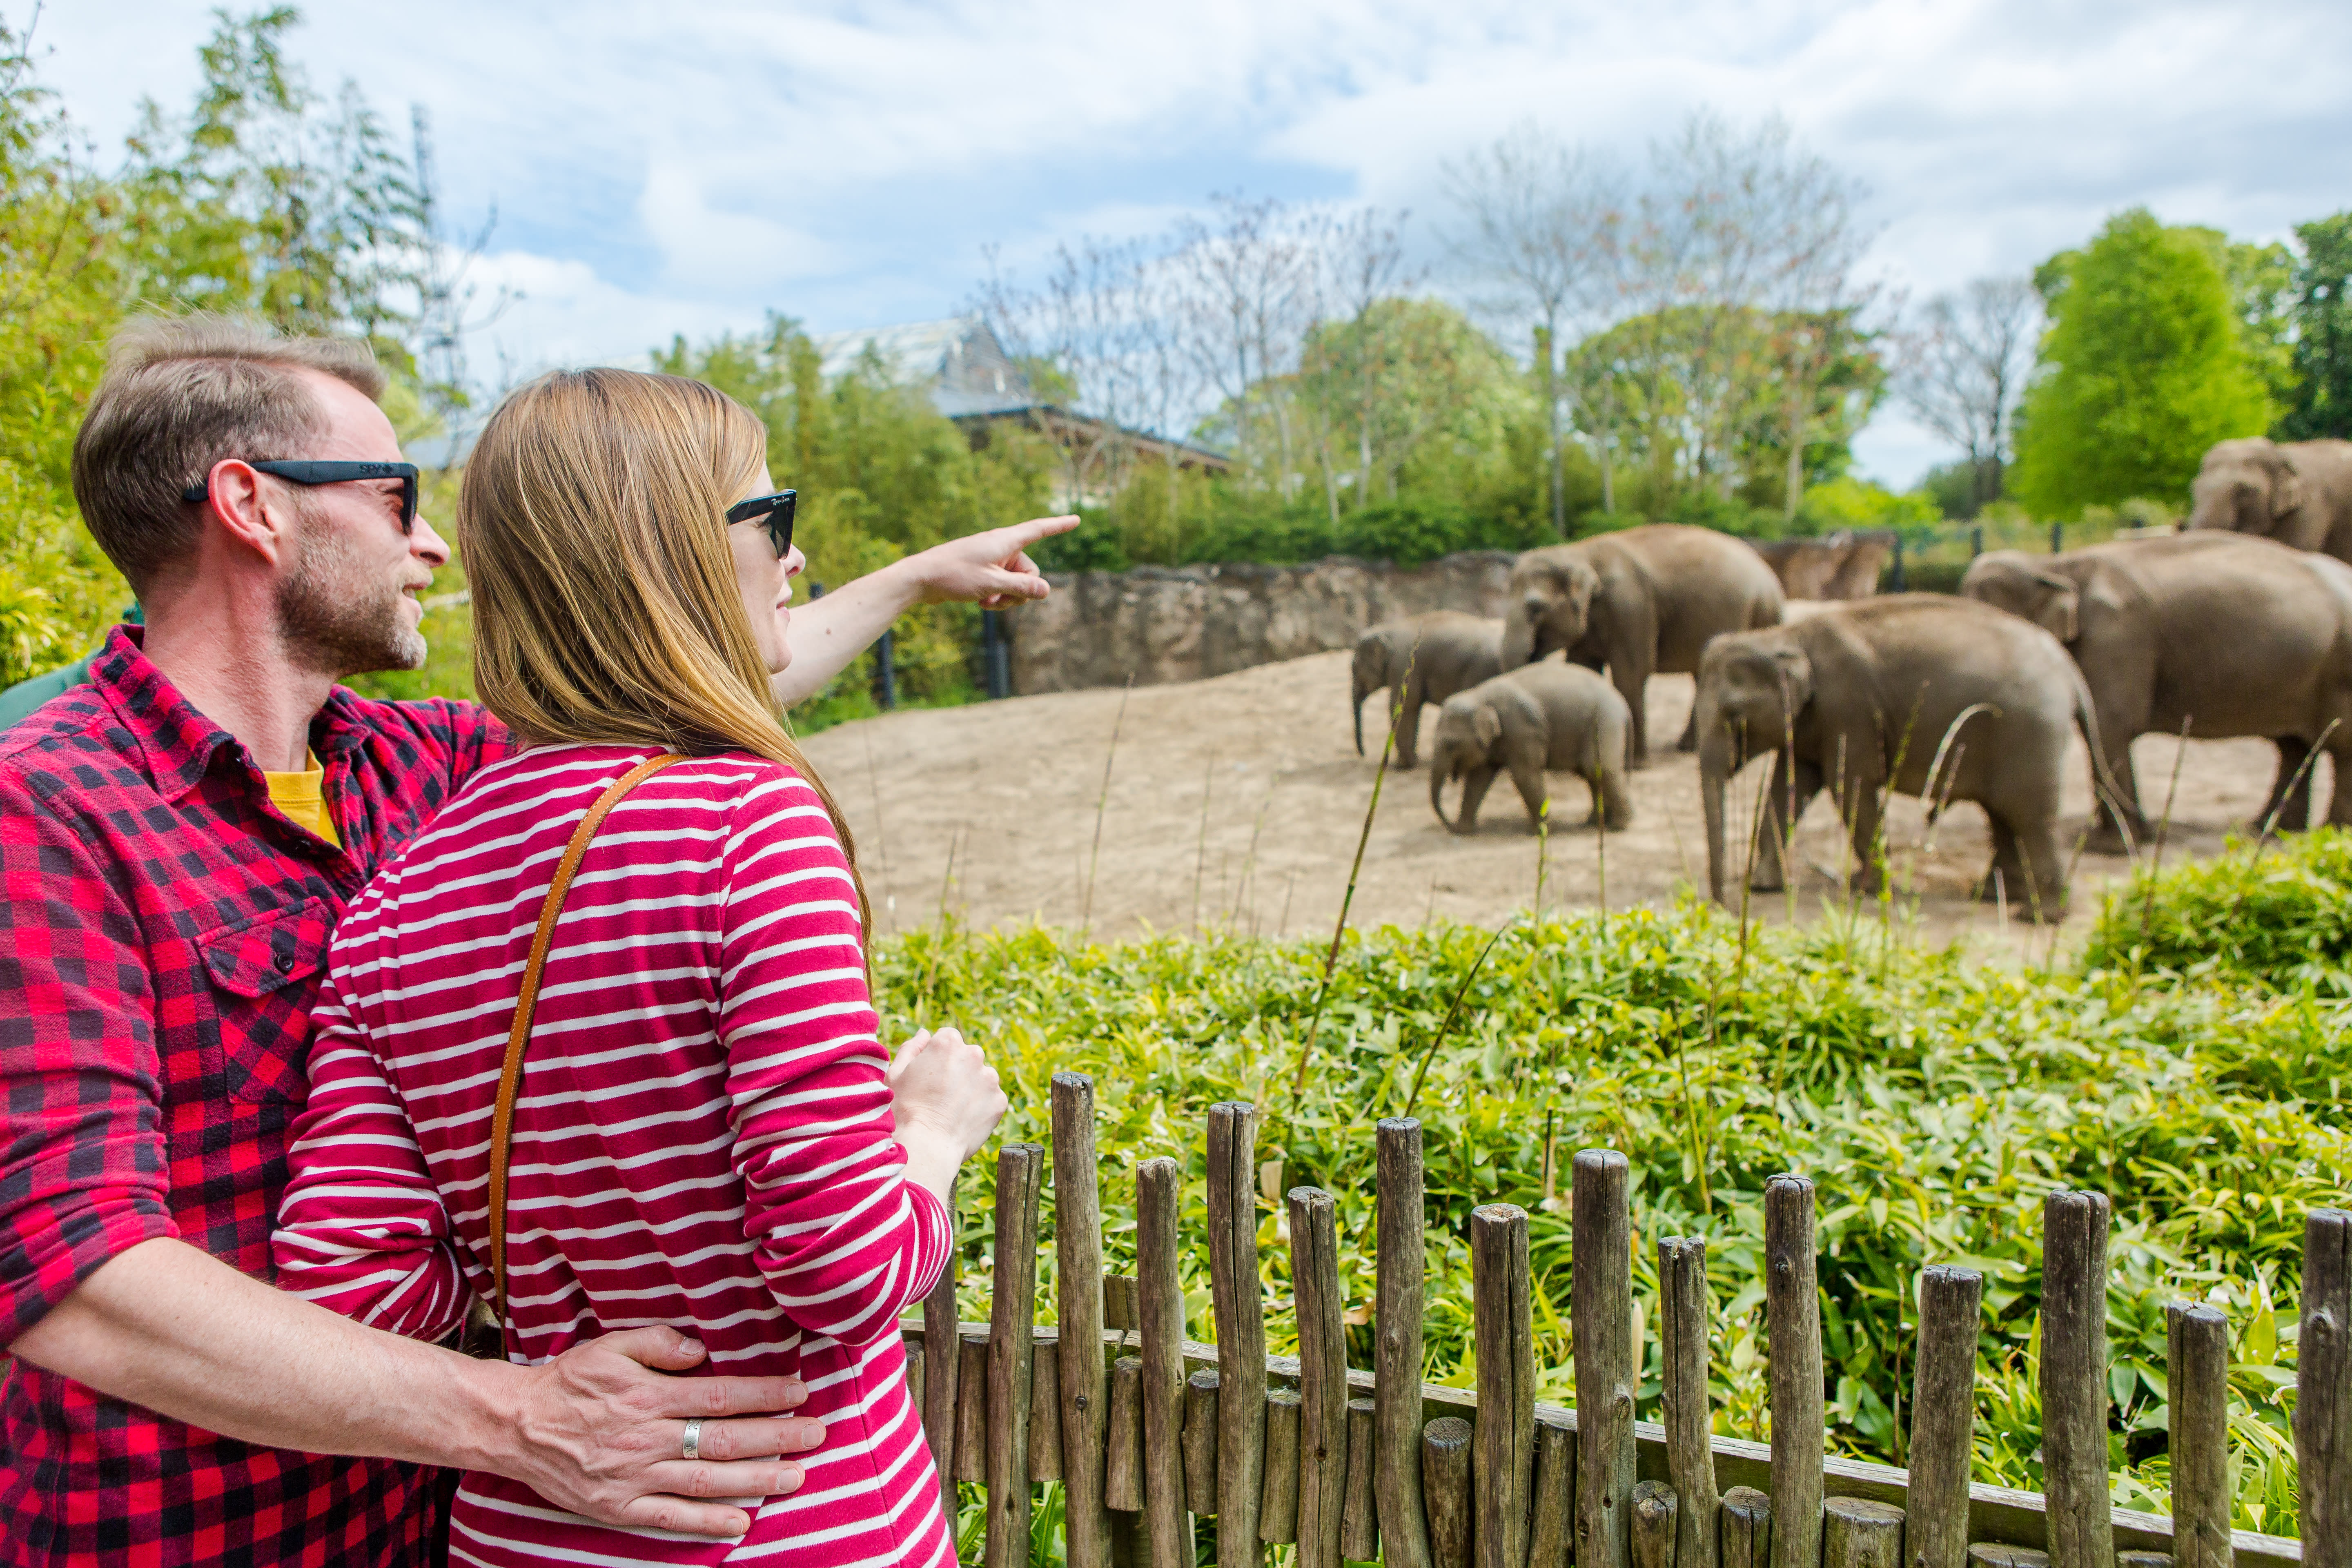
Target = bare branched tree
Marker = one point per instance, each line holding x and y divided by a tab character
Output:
1544	226
1964	364
1248	296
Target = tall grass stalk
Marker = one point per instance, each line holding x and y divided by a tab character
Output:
1201	848
1248	884
1102	804
939	941
2164	827
881	839
1451	1012
1355	870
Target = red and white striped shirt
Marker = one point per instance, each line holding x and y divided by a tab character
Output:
702	1136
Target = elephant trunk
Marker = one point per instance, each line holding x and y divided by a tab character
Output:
1716	764
1357	711
1440	768
1518	646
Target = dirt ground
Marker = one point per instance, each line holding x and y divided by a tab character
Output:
1238	801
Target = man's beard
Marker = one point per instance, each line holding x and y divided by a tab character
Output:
333	620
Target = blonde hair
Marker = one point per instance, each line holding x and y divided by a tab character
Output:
592	522
181	394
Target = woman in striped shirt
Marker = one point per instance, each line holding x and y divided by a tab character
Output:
707	1133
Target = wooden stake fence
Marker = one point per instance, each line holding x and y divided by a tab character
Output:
1148	1430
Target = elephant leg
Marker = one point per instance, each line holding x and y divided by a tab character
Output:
2339	805
2116	824
1788	796
2004	880
1865	817
1612	803
1529	776
1474	784
1629	671
2290	801
1408	724
2032	870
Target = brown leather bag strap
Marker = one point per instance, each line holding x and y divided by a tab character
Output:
526	1003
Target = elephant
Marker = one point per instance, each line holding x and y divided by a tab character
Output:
1844	565
1637	603
1926	694
2230	634
1424	658
1562	716
2299	492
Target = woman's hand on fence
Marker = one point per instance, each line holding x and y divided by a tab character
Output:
945	1100
990	568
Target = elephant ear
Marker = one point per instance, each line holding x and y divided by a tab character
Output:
1488	725
2059	613
2287	491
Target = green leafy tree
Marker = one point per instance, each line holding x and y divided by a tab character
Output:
2320	403
2144	367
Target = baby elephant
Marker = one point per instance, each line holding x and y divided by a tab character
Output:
1562	716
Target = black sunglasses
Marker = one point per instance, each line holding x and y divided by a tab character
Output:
305	472
778	510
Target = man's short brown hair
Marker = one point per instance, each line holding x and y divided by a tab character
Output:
181	394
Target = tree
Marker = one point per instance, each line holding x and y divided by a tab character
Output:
2321	401
1963	364
2144	368
1543	221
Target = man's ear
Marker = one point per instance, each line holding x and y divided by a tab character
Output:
247	514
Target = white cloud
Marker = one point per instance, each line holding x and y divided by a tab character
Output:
691	167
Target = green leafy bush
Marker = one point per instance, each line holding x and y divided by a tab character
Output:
2277	915
1934	1099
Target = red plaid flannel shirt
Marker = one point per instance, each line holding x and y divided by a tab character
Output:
161	931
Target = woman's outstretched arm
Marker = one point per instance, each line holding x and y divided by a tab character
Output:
990	568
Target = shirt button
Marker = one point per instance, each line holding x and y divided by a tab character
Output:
285	962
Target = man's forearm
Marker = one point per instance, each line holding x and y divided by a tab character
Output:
169	1327
826	634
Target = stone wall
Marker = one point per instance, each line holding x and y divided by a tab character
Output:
1163	624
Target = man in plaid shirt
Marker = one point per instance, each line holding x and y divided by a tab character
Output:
177	839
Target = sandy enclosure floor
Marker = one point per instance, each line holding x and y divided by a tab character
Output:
1238	802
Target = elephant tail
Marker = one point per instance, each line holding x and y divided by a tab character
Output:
1356	711
2102	779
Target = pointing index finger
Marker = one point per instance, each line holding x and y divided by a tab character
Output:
1025	534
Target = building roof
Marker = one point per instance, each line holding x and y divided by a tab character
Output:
960	360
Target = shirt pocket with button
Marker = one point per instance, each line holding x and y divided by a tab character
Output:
265	972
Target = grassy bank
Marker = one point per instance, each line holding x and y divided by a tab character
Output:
2189	1066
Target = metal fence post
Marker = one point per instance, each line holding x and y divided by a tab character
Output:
1896	580
886	672
1976	541
996	653
2057	538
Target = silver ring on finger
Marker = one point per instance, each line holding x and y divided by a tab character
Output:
694	1439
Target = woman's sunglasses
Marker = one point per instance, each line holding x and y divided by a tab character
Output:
777	509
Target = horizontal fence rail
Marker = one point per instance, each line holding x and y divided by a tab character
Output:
1148	1430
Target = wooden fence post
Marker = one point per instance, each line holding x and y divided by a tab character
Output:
2197	1389
1860	1534
1551	1528
1013	1312
1601	1317
1396	1374
1200	1417
1747	1529
1277	1515
2074	1379
940	1354
1159	1310
1241	1330
2323	1407
1792	1325
1078	1291
1686	1311
1123	1438
1044	1418
1445	1489
1322	1375
1503	1473
1943	1416
1360	1520
1656	1514
972	1409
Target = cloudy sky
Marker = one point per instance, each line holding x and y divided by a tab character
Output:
686	167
